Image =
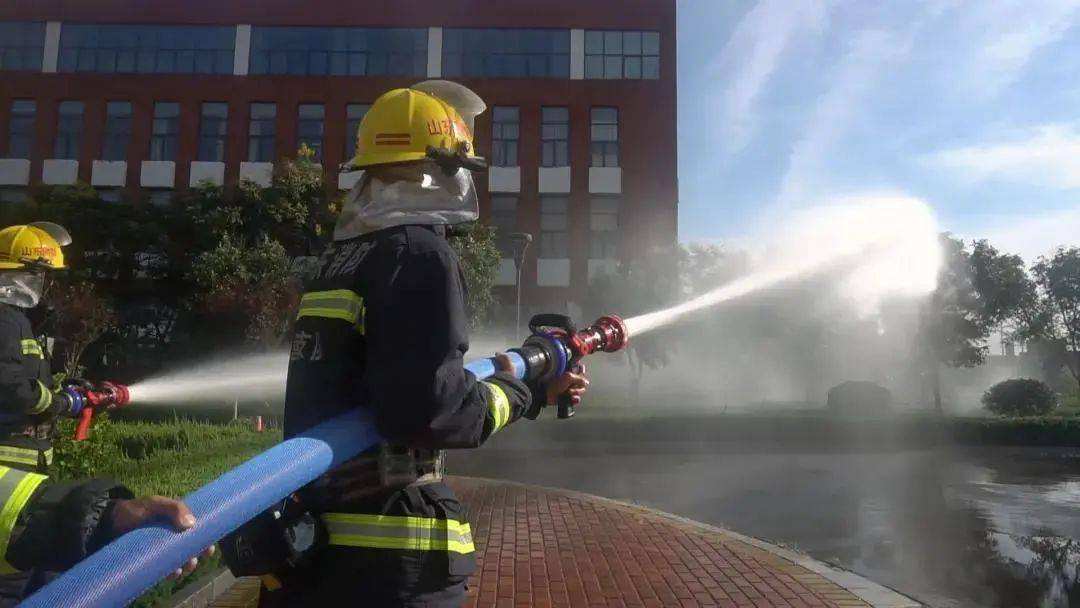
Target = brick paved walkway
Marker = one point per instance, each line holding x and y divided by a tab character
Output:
541	547
545	548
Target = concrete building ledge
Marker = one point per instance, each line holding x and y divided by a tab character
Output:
504	179
207	171
262	174
59	171
555	180
605	180
109	174
553	272
158	174
14	171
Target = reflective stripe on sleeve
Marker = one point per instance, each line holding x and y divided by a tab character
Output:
399	532
43	401
498	405
31	348
16	487
343	304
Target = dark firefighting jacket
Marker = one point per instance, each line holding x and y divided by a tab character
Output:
383	326
52	526
28	402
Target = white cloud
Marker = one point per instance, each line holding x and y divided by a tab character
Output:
752	55
1031	235
1003	35
1047	156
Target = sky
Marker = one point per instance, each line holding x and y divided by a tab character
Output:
971	106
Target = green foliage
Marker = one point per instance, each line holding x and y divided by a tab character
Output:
1020	397
1058	278
79	320
475	246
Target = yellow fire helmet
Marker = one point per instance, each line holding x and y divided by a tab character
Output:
33	246
432	120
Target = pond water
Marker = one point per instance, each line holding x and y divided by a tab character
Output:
987	527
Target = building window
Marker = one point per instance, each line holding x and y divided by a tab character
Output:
213	129
554	137
354	114
504	221
339	51
505	131
21	128
309	129
605	137
506	53
622	55
166	127
261	132
22	45
604	228
554	238
68	130
114	144
147	49
110	195
160	197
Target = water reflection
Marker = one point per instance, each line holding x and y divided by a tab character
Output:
981	527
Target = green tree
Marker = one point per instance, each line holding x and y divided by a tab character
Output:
1058	279
475	246
953	328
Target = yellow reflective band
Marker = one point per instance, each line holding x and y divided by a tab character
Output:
43	401
399	532
28	456
31	348
16	487
343	304
498	405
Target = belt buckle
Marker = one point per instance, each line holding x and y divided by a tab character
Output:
397	466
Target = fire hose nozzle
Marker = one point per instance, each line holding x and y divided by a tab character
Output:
104	396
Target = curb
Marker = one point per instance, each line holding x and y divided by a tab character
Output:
875	594
204	592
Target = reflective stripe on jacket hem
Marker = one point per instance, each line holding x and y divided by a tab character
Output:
30	456
399	532
16	487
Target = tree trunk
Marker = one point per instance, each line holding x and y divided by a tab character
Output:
935	385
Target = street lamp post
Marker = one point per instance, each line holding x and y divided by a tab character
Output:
521	242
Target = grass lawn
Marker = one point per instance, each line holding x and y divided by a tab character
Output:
170	458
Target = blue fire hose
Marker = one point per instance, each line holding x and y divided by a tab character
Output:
131	564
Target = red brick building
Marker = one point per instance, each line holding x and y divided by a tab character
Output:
138	96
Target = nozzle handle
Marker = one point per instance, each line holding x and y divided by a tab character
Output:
565	407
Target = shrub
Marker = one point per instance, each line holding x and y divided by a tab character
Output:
1020	397
859	398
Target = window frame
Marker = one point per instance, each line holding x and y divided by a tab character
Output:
164	143
116	137
17	134
338	51
308	122
506	53
503	147
554	239
352	126
507	219
69	130
261	139
550	138
14	43
208	137
604	242
609	59
608	149
114	48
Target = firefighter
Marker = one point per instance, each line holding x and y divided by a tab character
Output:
383	326
47	527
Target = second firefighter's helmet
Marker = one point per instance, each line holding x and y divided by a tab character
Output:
35	246
432	120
